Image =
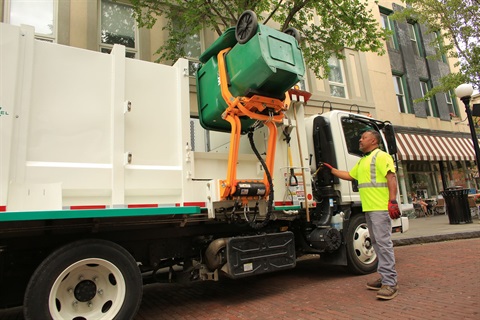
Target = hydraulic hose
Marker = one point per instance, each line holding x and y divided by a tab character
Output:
262	224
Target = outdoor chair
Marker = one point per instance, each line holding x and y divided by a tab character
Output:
439	207
419	211
474	211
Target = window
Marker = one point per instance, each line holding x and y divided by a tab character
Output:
438	44
336	78
118	27
192	48
413	32
39	14
430	106
452	106
387	24
353	130
399	85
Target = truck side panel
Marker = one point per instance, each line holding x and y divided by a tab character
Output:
95	129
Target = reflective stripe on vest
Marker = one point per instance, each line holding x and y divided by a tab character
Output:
373	176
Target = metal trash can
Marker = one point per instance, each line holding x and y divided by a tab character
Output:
456	201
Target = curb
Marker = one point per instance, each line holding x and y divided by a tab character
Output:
436	238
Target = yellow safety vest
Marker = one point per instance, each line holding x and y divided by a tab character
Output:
370	172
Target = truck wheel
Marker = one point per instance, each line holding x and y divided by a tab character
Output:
87	279
247	26
361	256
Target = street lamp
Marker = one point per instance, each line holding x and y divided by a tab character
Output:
464	92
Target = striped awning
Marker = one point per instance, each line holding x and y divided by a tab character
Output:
418	147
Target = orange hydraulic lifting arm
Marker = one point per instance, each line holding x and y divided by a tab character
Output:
265	109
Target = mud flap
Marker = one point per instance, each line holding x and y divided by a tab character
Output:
253	255
400	225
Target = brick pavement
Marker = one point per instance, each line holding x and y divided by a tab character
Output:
437	281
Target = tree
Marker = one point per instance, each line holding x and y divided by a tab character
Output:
459	23
326	27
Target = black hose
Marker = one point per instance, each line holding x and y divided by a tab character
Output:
253	224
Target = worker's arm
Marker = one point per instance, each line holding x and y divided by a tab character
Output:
339	173
392	185
393	209
342	174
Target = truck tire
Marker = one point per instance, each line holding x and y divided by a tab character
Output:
361	257
86	279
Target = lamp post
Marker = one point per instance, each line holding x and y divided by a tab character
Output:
464	92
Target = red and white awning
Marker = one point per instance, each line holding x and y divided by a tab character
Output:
416	147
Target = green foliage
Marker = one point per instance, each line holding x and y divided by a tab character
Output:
326	27
459	23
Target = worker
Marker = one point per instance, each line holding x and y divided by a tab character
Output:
375	173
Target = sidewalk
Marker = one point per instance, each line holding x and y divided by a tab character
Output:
435	229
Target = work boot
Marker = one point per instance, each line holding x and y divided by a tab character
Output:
387	292
374	284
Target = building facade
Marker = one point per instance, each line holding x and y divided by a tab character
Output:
434	143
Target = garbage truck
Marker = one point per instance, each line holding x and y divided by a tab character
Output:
112	177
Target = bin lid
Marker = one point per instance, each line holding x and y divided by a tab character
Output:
454	192
455	188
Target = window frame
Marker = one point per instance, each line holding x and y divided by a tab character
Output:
343	84
106	47
430	104
415	39
404	94
388	24
452	105
40	36
439	45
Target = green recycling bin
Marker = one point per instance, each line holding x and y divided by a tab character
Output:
268	64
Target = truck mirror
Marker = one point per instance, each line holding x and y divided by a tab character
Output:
389	133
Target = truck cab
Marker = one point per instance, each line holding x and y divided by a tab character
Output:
334	139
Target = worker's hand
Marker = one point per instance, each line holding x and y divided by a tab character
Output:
393	209
326	165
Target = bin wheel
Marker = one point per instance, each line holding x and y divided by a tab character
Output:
246	27
293	32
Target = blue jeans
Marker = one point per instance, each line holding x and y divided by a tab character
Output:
380	228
